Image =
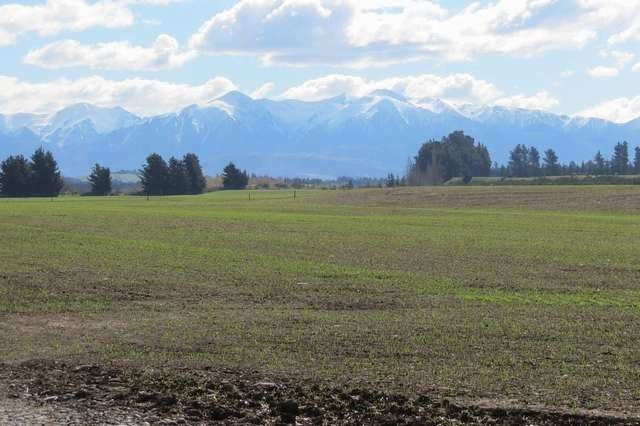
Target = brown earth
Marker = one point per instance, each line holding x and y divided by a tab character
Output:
43	392
620	199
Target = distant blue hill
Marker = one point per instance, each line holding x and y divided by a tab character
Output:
368	136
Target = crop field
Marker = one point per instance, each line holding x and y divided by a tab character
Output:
510	295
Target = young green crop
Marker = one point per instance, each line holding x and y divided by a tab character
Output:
525	293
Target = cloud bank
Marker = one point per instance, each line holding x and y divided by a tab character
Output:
379	32
165	53
455	89
56	16
620	110
140	96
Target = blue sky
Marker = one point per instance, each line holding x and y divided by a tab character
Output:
156	56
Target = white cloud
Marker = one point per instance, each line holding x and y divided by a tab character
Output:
624	13
165	53
364	33
620	110
151	2
604	72
263	91
152	97
636	67
278	30
329	86
622	58
55	16
455	89
501	27
144	97
52	17
539	101
631	33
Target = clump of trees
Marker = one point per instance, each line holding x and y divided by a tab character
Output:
100	180
35	177
393	181
178	177
234	178
456	155
525	162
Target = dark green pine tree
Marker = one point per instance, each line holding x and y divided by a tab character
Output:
178	177
100	180
234	178
481	163
428	167
519	161
15	177
551	163
197	181
636	161
620	160
533	162
390	182
600	164
154	176
46	180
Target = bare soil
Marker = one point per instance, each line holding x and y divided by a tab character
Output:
551	198
44	392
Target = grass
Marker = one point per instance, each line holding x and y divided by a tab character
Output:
510	292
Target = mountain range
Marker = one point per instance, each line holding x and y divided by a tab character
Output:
365	136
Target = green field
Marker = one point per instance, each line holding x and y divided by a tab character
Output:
530	294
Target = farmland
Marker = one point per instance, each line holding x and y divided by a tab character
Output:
511	295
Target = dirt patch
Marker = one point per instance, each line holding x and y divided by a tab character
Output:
88	393
619	199
26	412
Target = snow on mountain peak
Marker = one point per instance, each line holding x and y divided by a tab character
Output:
21	121
223	106
235	98
104	120
435	105
384	93
369	135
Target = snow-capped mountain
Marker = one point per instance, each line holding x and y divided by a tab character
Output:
370	135
70	123
102	120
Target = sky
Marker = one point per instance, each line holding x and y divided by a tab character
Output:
573	57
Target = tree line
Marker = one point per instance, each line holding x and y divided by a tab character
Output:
37	176
454	156
185	176
526	162
459	156
178	177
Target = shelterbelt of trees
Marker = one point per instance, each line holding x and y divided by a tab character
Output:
526	162
454	156
458	156
182	177
38	176
178	177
